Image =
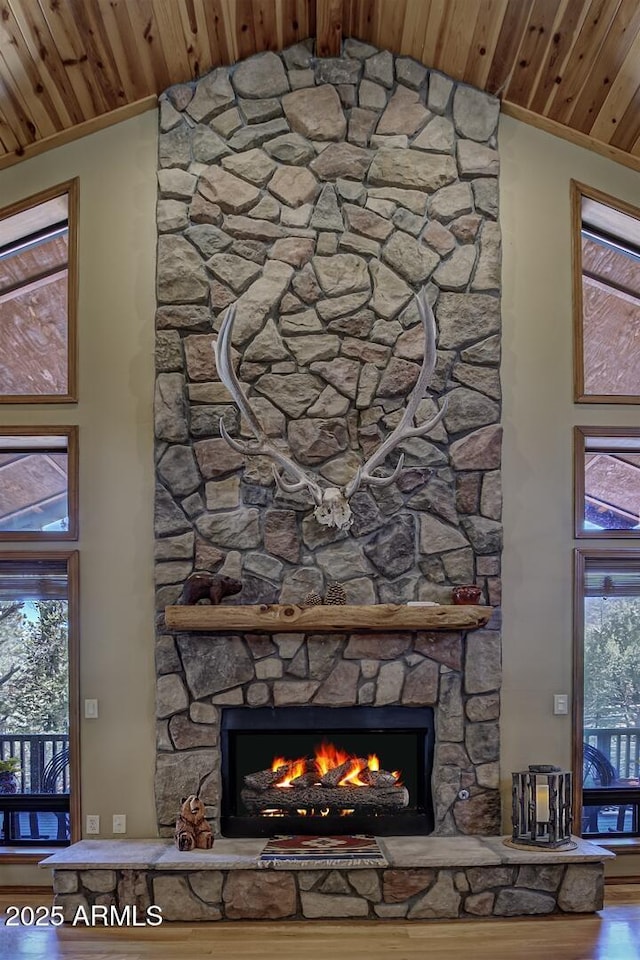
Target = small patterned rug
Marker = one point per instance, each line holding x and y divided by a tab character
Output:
357	850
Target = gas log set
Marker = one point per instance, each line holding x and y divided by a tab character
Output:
332	782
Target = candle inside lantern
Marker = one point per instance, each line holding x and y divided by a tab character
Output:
542	803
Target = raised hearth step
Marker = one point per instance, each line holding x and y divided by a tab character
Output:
424	878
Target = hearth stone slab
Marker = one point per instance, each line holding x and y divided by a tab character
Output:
244	854
427	878
438	851
585	852
226	854
107	855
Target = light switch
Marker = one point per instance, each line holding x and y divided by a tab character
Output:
91	709
560	703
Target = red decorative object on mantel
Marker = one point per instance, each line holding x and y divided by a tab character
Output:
466	593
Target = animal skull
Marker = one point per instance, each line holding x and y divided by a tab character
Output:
334	511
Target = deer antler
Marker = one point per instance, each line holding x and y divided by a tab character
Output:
405	428
261	446
332	504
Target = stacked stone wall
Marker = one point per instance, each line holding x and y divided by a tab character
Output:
319	196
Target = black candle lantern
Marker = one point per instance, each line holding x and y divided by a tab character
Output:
542	814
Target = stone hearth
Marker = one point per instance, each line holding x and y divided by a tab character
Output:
424	879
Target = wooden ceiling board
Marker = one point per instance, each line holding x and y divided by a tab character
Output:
571	67
219	26
620	95
361	18
584	55
627	134
196	40
456	36
486	32
567	26
265	23
389	23
172	40
432	45
149	49
329	28
623	29
414	28
15	112
25	78
536	41
508	46
74	54
10	146
44	52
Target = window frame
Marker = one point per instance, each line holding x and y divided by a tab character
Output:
71	433
72	189
601	796
577	192
15	852
580	436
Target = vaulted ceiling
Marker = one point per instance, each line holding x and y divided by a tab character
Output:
68	67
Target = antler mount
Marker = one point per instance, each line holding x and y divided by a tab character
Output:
331	503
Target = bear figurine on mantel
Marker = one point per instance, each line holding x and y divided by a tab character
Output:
209	586
192	830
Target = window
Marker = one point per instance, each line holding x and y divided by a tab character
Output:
606	297
38	292
607	619
38	483
39	800
607	482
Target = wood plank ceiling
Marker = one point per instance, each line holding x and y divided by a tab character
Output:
68	67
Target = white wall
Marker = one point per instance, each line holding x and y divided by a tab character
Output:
117	241
117	250
539	415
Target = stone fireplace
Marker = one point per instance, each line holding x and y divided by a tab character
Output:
319	195
337	671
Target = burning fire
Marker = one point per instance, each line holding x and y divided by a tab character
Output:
293	769
328	757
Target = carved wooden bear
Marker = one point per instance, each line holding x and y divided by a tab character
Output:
209	586
192	830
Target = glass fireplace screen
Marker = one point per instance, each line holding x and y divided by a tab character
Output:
298	768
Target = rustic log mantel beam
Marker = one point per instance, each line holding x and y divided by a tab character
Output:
328	28
283	618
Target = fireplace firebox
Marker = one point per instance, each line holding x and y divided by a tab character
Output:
326	770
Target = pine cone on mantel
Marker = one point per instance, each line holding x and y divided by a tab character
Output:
312	599
336	594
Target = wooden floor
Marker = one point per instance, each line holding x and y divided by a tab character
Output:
612	935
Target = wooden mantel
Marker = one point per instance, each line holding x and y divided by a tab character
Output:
290	618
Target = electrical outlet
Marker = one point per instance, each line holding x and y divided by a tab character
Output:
91	709
560	704
119	823
93	823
